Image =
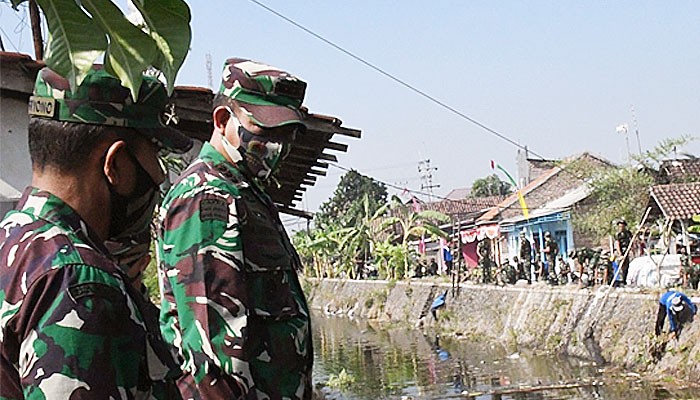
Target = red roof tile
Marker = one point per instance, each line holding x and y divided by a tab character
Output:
678	200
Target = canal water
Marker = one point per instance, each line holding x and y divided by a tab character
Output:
365	360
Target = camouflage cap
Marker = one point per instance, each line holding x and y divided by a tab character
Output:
102	100
271	96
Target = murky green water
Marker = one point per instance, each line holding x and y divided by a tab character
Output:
387	362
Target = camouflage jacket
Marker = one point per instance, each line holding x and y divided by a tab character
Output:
70	325
232	304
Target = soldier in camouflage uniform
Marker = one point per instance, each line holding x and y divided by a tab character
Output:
232	303
72	324
525	266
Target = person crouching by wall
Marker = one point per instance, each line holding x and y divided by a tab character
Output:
679	309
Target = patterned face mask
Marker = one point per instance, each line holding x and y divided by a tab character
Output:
131	215
260	154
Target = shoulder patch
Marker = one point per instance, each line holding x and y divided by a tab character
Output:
215	209
94	289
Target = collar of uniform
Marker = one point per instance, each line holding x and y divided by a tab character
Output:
44	205
212	156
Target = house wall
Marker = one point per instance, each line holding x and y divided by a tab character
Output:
16	85
561	229
15	165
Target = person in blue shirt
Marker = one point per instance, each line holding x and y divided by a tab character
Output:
439	302
679	309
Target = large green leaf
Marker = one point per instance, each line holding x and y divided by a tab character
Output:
75	41
16	3
130	49
168	23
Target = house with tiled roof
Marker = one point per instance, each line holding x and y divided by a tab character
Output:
676	201
551	198
675	204
679	171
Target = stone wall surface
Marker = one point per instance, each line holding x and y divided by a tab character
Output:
607	326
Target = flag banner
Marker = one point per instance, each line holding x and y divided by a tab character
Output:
521	199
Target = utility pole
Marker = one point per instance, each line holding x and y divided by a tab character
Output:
636	130
207	58
426	173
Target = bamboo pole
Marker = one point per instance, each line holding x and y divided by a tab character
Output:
629	247
531	389
35	20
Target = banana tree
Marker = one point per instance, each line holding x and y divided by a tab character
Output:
389	259
81	31
413	225
358	241
319	249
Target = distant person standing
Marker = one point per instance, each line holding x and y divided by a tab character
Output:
678	308
447	257
623	238
525	265
484	250
551	250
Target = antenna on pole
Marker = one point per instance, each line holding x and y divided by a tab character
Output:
624	129
207	57
426	174
636	130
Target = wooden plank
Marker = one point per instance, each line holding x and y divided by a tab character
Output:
317	172
328	157
295	212
337	146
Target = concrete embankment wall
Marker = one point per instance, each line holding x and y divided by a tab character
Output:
616	328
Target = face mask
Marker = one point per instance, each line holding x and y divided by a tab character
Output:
260	155
129	230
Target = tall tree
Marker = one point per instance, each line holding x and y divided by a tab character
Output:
346	207
490	185
619	192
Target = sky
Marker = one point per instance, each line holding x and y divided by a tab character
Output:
557	77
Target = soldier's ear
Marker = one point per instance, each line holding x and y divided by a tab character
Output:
115	164
220	117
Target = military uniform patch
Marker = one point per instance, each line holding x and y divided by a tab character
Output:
90	289
213	210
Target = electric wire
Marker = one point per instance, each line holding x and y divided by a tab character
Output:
563	168
397	80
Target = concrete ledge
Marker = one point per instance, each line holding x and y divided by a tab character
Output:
608	326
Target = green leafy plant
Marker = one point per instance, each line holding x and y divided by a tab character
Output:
342	381
81	31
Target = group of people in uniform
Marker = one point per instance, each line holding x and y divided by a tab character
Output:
75	321
585	265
